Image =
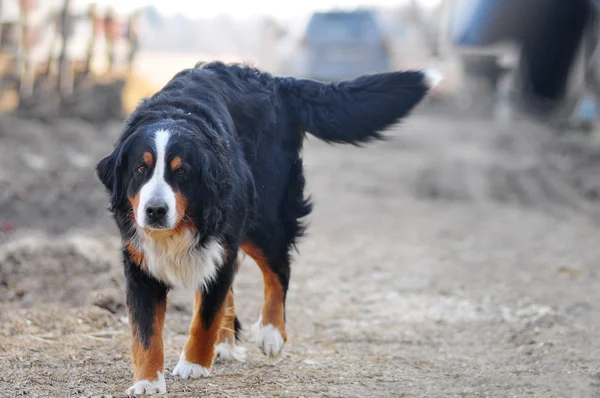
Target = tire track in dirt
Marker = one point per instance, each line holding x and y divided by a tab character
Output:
509	168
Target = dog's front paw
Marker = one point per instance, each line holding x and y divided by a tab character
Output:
268	338
148	387
186	370
230	352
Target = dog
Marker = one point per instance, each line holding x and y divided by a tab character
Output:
210	167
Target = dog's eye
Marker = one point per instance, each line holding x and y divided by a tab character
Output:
141	169
180	171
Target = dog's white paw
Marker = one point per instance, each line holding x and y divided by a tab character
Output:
186	370
148	387
230	352
268	338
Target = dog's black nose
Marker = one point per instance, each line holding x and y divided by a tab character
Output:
156	212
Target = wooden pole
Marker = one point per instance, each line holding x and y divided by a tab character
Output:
25	78
2	72
1	23
133	39
109	32
54	21
93	15
65	72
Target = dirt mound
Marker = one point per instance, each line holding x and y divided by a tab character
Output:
94	102
73	271
47	179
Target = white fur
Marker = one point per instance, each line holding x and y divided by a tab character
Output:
177	260
230	352
157	189
268	338
433	77
186	370
149	386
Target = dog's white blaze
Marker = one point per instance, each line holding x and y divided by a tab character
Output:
157	189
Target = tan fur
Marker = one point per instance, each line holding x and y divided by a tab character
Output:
135	201
181	205
147	362
175	163
135	254
273	305
227	331
148	159
200	346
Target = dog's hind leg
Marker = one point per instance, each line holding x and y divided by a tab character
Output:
227	349
269	332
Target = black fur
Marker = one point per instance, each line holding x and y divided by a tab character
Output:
355	111
143	295
241	132
238	329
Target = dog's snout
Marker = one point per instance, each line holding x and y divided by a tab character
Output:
156	211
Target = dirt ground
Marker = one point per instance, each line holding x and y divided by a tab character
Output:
459	258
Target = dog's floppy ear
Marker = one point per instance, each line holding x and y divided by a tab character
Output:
110	173
106	171
357	110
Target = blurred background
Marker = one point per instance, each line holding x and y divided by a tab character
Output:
457	258
498	57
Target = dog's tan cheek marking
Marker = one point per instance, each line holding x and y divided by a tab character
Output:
180	206
200	347
148	159
227	331
147	362
135	201
273	306
175	163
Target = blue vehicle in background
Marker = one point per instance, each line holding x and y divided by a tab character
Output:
344	44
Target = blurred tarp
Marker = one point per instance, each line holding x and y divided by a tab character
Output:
550	35
485	22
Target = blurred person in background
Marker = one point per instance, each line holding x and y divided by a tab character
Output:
132	38
540	55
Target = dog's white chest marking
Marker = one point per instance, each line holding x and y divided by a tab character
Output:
178	261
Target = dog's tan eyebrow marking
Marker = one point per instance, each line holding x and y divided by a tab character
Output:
148	158
175	163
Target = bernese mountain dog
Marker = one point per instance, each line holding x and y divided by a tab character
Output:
210	166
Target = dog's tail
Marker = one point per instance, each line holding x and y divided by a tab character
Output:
358	110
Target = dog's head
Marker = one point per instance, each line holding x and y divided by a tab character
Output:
167	174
